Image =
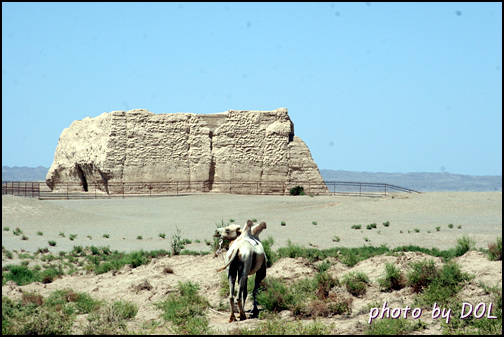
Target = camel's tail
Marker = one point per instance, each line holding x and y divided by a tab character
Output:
233	255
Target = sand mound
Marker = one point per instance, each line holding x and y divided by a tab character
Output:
149	284
292	269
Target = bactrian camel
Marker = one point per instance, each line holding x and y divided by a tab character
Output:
228	234
245	257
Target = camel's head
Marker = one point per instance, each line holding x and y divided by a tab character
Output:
230	232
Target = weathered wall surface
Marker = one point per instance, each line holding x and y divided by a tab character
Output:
201	152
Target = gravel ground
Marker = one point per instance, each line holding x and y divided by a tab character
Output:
478	213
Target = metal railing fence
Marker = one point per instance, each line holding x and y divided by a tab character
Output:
40	190
21	188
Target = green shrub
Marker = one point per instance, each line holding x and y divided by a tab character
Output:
464	245
356	283
176	242
51	274
105	321
444	288
324	282
46	322
94	250
71	302
292	250
42	250
21	275
8	254
339	306
495	250
350	259
276	296
85	304
390	326
77	249
186	310
136	259
271	255
323	266
422	274
298	190
393	279
126	310
186	241
445	254
386	224
275	326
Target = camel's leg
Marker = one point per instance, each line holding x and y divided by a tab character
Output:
243	316
242	293
260	275
232	318
231	279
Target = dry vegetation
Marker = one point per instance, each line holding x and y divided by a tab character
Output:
94	290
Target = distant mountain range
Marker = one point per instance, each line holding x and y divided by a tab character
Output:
420	181
24	173
423	181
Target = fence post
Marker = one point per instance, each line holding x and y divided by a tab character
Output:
67	190
123	189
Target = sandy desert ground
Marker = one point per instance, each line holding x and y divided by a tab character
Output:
478	213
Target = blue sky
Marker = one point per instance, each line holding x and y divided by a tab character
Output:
382	87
